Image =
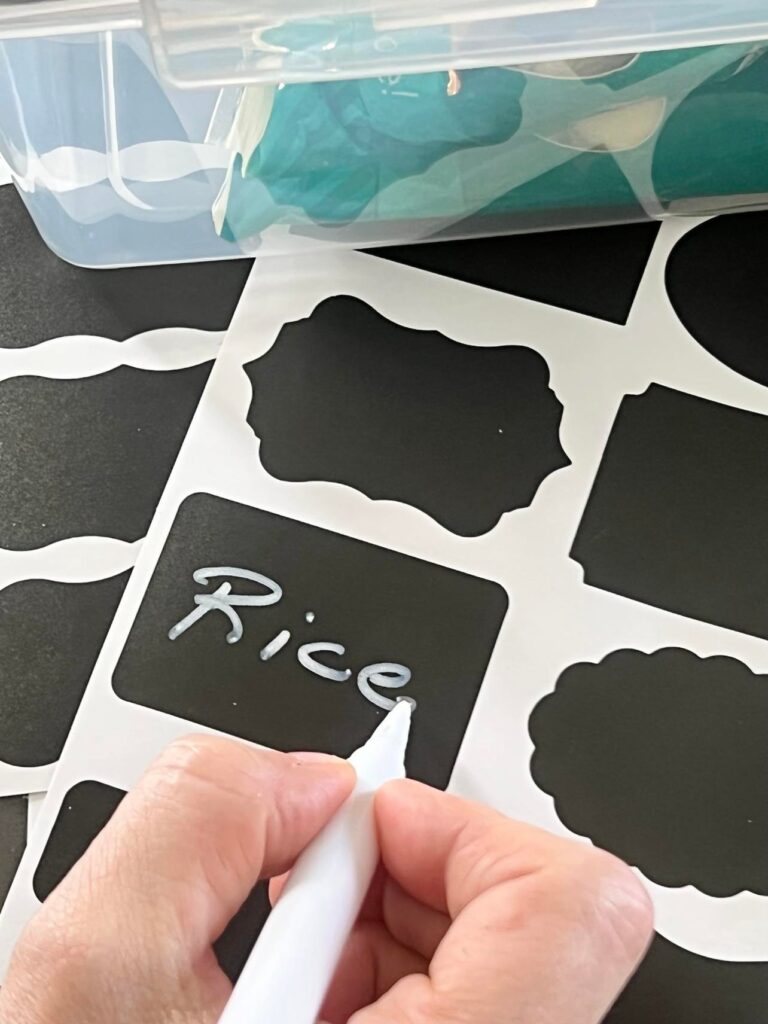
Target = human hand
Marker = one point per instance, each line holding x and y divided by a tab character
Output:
477	919
473	919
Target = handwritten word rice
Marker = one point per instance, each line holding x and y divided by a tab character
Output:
385	675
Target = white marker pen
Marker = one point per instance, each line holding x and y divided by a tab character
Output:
290	968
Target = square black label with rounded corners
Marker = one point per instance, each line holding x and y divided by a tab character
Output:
50	635
678	514
296	637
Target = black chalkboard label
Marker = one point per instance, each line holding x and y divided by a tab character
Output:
339	628
561	268
50	635
678	515
90	455
465	433
660	758
13	830
716	281
84	812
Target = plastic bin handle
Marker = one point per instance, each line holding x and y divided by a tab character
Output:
223	42
219	42
26	18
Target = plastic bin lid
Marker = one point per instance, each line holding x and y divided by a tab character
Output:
217	42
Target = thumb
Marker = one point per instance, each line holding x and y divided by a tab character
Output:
183	850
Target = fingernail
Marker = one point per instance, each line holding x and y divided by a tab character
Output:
311	757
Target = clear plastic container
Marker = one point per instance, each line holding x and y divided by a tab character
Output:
203	129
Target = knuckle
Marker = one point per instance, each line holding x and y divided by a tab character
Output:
52	945
190	755
38	943
484	859
411	1000
616	906
199	762
447	1008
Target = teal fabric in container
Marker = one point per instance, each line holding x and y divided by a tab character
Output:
330	148
607	129
715	145
422	152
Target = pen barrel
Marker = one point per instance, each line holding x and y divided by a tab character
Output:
286	977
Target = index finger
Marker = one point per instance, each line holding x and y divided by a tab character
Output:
543	929
445	851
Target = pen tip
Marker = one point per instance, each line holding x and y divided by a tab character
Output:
401	712
397	722
382	758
